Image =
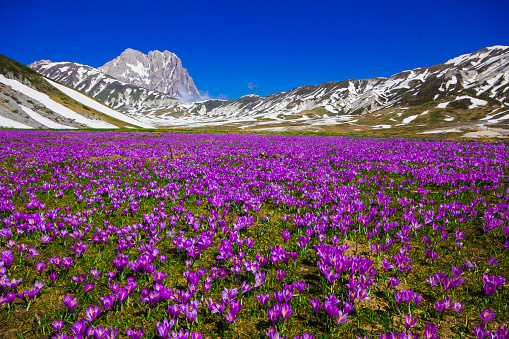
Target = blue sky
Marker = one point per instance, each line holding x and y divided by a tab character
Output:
233	48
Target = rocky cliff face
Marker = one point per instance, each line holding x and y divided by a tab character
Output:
157	71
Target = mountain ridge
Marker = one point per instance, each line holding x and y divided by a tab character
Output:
157	71
477	82
29	100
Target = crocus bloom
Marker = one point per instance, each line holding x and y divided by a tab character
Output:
486	316
108	301
57	325
315	305
165	327
159	276
430	331
95	274
92	312
280	274
272	333
88	287
40	266
286	235
263	298
70	301
79	328
180	334
136	333
394	282
230	317
410	321
342	318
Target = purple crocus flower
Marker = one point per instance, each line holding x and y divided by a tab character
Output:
70	301
305	335
230	317
108	301
280	274
481	333
180	334
315	305
486	316
386	265
79	279
57	325
7	257
159	276
111	275
190	312
165	327
79	328
342	318
67	262
88	287
122	294
135	333
492	283
263	298
8	298
91	313
393	282
174	310
410	321
286	235
95	273
299	286
272	333
430	331
245	287
40	266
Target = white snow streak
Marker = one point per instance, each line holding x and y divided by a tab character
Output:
52	105
43	120
96	105
6	122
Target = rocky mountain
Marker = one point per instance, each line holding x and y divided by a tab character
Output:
471	88
483	74
117	94
28	100
157	71
467	92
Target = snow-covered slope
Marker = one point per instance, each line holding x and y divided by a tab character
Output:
28	100
80	97
484	74
52	105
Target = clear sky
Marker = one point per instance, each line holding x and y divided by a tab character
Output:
233	48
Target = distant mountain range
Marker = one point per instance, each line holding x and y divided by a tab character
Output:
464	93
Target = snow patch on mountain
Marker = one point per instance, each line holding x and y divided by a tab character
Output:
43	120
97	106
52	105
8	123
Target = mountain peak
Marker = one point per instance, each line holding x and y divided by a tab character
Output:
158	71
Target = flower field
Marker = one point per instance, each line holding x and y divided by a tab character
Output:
157	235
